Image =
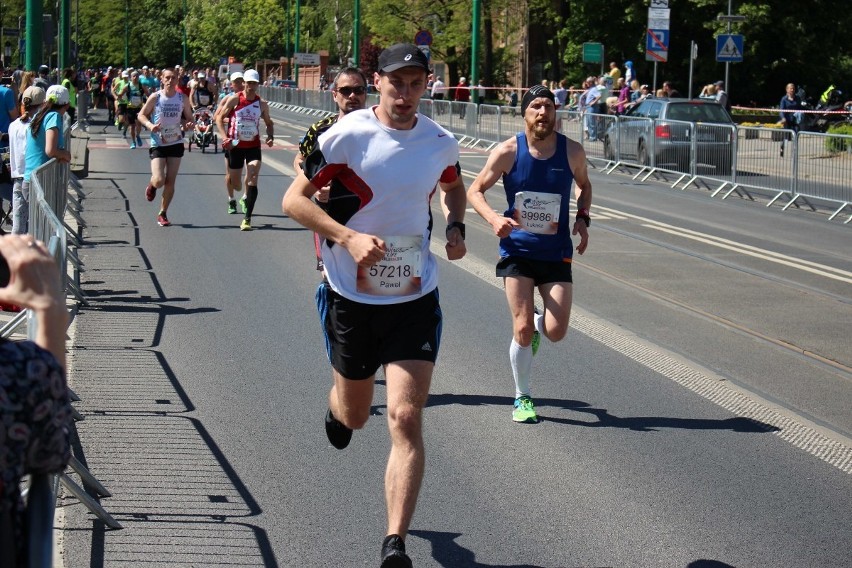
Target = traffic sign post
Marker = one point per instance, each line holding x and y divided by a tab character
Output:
657	45
427	51
593	52
423	37
729	48
657	37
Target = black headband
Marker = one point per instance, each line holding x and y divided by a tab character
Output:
534	93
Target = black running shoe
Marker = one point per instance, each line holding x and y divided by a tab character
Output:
393	553
338	434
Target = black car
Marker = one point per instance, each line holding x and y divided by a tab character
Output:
659	132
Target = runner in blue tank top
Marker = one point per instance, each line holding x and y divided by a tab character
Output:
539	167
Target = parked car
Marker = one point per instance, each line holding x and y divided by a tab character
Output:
667	127
285	83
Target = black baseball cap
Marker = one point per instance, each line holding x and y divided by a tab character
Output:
402	55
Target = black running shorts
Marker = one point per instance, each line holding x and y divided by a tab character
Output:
360	337
130	114
541	271
170	151
237	157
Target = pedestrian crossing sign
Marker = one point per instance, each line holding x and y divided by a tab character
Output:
729	48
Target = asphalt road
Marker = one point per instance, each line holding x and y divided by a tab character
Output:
697	414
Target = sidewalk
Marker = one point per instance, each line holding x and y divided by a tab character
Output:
177	498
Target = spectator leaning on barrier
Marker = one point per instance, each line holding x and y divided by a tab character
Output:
45	139
35	417
31	102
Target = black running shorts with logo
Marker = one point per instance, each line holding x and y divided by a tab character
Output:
360	338
122	109
237	157
541	271
170	151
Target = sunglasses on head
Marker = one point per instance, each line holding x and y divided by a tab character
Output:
346	91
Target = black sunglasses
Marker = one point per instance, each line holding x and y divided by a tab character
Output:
346	91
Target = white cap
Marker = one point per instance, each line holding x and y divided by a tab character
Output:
144	67
236	75
202	75
125	74
252	75
58	95
462	79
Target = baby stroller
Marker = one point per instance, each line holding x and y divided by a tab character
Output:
203	135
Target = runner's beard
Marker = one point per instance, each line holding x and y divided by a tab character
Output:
541	131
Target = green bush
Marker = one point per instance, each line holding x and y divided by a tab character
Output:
836	145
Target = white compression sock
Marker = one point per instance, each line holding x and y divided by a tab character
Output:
521	359
538	321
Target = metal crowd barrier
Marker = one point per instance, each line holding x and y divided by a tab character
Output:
725	159
52	189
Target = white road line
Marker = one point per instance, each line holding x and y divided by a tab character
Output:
778	258
794	430
799	264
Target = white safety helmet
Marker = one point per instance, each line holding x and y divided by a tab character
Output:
251	76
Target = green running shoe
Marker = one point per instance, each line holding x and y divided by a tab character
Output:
524	411
245	225
536	338
232	207
243	207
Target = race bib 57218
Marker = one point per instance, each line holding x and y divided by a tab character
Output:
398	273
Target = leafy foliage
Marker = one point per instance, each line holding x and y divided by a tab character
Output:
807	43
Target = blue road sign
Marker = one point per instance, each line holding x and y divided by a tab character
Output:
423	37
729	48
657	45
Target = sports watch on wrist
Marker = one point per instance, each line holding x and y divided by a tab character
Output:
457	225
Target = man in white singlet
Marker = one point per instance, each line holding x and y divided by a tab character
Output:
245	110
379	300
166	114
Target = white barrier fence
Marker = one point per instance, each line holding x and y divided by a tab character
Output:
799	166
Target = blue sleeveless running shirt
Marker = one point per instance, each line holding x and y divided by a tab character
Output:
543	211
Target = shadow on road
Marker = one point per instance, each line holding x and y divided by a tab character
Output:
603	418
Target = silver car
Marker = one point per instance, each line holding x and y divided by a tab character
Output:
660	133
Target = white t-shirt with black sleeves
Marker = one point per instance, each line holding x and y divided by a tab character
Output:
395	173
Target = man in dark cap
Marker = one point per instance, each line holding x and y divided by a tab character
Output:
539	168
42	80
378	301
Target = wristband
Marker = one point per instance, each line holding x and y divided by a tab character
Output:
584	215
456	225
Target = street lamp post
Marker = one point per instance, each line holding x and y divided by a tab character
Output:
126	34
298	33
356	33
184	32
